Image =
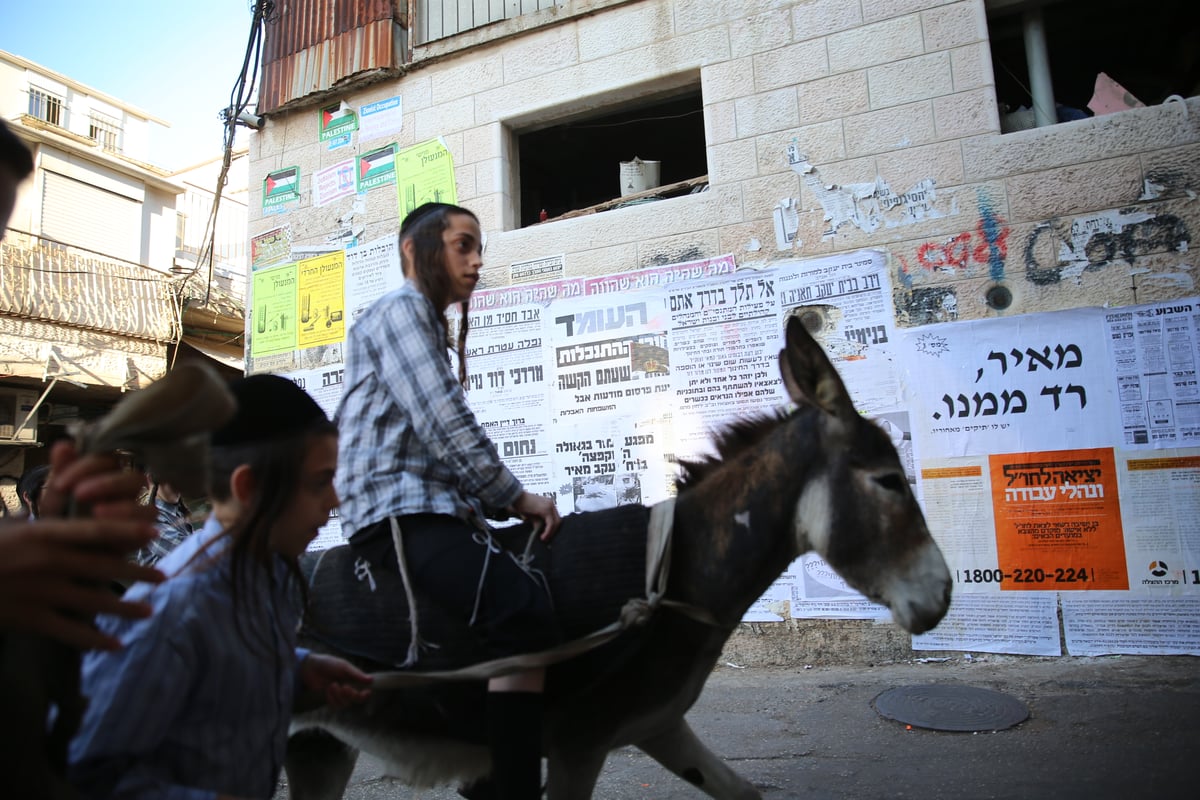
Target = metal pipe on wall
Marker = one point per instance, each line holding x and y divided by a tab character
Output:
1038	61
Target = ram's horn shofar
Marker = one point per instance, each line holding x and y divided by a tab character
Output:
166	426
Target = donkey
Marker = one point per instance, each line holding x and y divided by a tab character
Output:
820	478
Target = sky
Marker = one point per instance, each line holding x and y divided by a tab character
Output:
177	60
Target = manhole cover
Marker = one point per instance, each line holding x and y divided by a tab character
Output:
951	708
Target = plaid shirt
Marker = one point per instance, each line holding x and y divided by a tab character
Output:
408	442
173	528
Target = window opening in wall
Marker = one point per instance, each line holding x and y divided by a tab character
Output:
575	166
106	131
181	242
47	106
440	18
1152	50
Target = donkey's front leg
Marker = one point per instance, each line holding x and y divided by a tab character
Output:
572	771
678	749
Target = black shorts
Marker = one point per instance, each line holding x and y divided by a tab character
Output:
468	573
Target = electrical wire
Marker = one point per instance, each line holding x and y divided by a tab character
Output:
239	101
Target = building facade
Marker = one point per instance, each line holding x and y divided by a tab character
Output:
211	258
88	300
950	139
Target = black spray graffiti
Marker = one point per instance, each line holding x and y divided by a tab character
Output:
1050	251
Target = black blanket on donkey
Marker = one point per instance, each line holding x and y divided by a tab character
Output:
594	565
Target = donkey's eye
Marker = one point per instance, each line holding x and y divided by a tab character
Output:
892	482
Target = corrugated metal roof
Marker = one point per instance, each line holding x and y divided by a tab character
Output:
313	44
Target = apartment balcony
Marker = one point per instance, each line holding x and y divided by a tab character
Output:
74	315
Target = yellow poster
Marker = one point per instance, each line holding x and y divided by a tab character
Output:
322	299
424	174
273	315
1058	521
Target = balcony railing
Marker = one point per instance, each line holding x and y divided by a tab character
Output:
56	283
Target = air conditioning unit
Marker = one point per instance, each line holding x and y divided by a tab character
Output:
15	405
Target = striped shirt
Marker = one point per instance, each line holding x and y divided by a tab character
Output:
191	707
408	442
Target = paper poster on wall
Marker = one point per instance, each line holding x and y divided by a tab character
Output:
609	366
376	168
1032	382
654	277
543	293
1024	623
323	384
547	291
1155	352
1160	506
335	121
537	268
270	248
608	355
772	606
1119	623
372	270
818	586
280	187
334	182
725	356
601	464
506	388
845	302
321	292
956	496
1058	521
273	313
425	174
381	118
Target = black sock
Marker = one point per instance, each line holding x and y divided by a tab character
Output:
514	726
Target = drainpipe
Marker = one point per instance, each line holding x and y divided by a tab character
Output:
1038	62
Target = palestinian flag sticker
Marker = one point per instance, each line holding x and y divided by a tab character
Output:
336	120
376	168
281	186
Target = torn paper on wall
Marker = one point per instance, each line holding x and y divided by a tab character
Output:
1104	228
787	223
867	206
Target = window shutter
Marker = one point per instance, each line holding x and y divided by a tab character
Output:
82	215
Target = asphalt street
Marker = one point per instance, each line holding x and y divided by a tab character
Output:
1111	727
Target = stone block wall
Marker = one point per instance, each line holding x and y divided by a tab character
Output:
808	101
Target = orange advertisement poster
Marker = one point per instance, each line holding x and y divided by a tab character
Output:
1058	521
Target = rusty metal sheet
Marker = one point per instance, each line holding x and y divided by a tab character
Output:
314	44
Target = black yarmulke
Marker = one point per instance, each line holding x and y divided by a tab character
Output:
268	407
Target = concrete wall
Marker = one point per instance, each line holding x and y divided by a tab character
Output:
806	101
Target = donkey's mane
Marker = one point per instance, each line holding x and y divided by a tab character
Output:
731	440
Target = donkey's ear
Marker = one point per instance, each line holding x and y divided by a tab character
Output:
808	374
